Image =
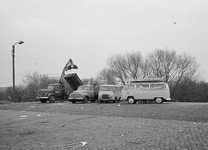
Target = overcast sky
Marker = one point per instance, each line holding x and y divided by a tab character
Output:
89	31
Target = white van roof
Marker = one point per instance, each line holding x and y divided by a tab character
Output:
107	85
132	81
111	85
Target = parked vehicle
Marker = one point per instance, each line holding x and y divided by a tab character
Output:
67	84
84	93
146	90
109	93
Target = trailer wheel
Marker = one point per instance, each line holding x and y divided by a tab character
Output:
159	100
131	100
52	99
43	100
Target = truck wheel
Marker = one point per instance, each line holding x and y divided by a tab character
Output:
159	100
52	99
131	100
85	100
43	100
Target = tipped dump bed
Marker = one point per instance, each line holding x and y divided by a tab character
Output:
73	80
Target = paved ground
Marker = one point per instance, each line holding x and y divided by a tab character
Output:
177	126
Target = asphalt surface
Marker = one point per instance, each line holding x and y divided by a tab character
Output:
108	126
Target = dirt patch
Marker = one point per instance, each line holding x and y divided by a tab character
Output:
196	112
102	126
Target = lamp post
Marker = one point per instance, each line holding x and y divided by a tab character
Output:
13	67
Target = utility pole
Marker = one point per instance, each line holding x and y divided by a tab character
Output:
13	68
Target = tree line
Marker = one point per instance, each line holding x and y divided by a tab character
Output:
180	71
27	91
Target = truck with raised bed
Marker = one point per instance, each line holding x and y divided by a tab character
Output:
61	90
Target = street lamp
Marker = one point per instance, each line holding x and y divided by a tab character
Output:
13	67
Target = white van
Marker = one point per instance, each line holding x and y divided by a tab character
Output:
145	90
109	93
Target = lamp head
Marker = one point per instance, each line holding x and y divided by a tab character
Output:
20	42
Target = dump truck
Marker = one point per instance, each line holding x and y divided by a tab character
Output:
61	90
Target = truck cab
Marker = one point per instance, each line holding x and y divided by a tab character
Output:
52	92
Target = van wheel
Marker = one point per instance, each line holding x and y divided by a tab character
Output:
52	99
159	100
131	100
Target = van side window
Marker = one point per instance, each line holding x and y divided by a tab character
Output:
138	86
157	86
145	86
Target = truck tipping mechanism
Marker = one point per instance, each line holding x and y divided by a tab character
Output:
67	84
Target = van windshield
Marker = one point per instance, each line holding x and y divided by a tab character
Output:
106	88
157	86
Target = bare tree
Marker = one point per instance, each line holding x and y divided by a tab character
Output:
126	66
9	94
106	76
161	64
134	64
31	82
179	70
44	80
35	81
186	70
117	64
87	81
173	68
32	77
